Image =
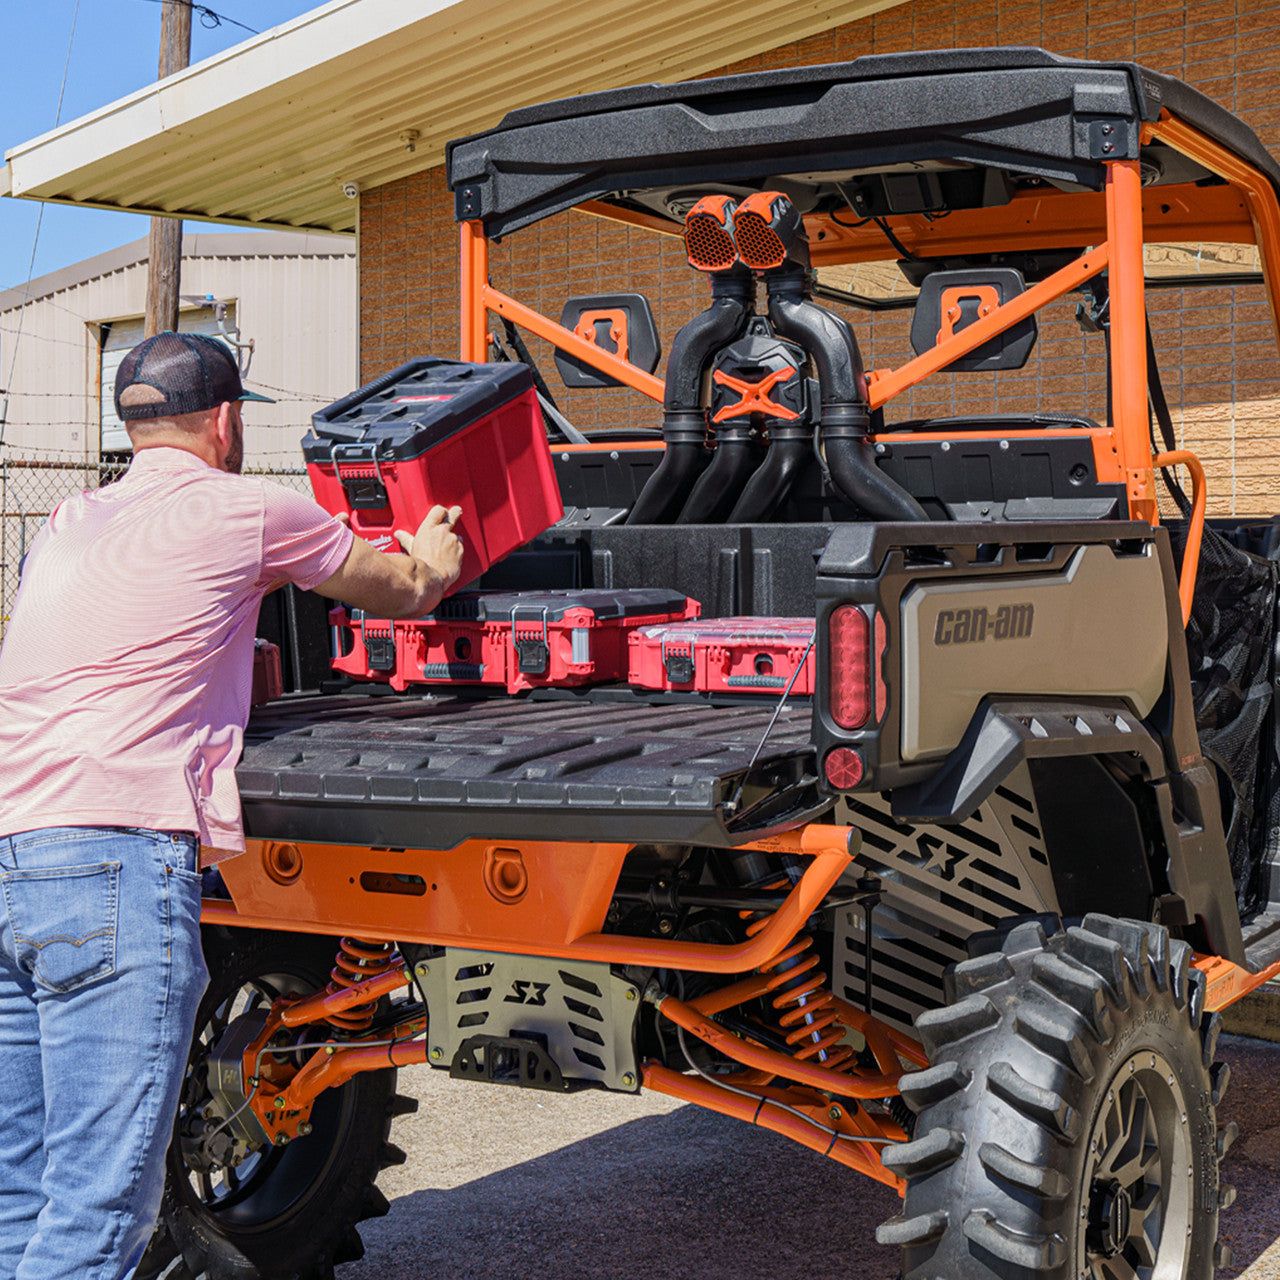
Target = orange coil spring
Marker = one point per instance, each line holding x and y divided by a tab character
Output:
357	961
798	993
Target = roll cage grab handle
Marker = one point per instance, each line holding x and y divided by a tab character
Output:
1122	450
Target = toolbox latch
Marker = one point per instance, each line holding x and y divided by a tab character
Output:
379	646
533	652
364	492
678	664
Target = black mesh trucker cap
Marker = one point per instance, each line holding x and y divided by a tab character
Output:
190	371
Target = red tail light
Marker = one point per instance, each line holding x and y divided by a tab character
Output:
849	666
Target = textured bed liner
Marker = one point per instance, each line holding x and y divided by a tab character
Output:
430	771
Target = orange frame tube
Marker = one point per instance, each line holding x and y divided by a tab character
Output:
1195	525
1130	413
884	384
1256	188
756	1109
479	297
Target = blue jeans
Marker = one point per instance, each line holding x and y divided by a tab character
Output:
100	974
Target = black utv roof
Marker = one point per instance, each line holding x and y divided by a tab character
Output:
1021	110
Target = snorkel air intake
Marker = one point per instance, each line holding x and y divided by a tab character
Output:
771	239
709	245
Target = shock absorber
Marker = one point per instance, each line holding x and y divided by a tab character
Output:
799	997
798	994
357	961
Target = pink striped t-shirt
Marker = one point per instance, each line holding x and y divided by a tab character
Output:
126	669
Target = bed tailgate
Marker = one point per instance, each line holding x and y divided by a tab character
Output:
431	771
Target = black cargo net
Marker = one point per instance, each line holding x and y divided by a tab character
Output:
1231	641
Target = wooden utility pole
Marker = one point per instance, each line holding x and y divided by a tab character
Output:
164	271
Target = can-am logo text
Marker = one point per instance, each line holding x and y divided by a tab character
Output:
973	626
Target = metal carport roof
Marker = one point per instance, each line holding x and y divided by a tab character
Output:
367	91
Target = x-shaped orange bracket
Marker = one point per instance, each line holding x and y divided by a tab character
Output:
755	396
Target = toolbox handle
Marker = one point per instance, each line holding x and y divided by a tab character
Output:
339	431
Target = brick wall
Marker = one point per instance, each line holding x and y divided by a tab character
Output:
1217	353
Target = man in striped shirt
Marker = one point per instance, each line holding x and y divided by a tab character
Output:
125	677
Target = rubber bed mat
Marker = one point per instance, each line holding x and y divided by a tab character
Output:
430	771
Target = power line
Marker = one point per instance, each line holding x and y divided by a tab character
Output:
210	19
35	239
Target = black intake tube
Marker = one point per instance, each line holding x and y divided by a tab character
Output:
845	416
790	451
684	424
736	458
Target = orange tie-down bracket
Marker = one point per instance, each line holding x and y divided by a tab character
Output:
551	899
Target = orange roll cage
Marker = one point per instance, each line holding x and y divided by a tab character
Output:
1118	224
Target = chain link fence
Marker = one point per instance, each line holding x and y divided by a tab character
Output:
30	490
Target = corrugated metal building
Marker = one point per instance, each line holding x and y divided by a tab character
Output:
292	294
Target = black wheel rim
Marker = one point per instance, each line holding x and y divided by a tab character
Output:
1136	1211
270	1185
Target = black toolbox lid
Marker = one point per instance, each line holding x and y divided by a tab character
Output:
497	606
413	408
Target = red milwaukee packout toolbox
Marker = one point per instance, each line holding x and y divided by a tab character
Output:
268	675
438	431
517	640
725	655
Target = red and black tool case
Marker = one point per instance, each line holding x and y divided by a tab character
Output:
438	431
725	655
516	640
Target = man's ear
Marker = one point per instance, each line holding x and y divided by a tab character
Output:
224	427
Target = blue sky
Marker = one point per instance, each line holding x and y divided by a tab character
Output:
114	52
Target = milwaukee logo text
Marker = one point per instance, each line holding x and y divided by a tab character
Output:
973	626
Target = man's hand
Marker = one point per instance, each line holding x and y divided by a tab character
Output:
436	544
401	586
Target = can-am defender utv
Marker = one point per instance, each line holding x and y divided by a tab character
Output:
961	918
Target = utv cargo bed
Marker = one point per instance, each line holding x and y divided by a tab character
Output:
431	771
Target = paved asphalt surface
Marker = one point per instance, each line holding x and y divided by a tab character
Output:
504	1184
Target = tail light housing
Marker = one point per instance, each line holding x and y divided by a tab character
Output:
849	666
708	234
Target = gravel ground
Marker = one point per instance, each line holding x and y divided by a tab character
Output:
503	1183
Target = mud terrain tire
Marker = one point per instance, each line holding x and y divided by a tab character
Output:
1067	1121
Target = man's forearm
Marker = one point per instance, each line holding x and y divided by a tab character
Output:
425	587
